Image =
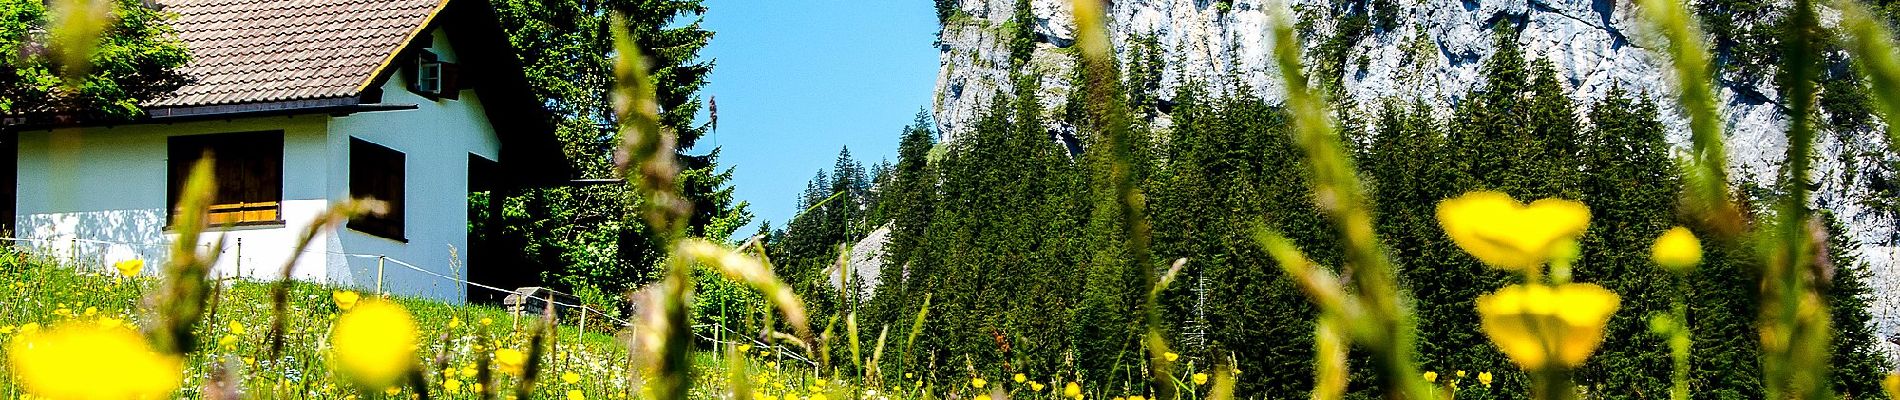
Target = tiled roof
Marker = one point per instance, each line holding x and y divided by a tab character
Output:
249	51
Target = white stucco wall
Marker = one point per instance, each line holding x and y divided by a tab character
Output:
96	196
436	139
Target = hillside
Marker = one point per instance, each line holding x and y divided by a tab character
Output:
1382	51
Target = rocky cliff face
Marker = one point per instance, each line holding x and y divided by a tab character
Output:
1433	53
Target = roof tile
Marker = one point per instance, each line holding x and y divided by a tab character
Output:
247	51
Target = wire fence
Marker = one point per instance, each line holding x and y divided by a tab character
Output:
97	255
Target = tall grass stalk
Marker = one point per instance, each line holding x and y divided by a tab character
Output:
1794	318
663	336
1373	314
1871	44
1707	176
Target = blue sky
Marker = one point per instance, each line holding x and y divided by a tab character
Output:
798	79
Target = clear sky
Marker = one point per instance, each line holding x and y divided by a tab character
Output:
796	80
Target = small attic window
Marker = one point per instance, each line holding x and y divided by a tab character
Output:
428	72
433	77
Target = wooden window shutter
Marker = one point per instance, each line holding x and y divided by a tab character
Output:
377	172
451	81
248	168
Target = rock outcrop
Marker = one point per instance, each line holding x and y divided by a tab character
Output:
1433	53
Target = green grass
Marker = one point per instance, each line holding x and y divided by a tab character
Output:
452	336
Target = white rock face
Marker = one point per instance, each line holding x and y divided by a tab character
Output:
1434	54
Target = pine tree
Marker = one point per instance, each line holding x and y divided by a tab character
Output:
1858	364
1631	187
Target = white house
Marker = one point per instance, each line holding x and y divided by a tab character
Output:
303	103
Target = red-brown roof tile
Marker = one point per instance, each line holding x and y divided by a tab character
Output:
246	51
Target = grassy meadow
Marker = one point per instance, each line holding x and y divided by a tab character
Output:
93	332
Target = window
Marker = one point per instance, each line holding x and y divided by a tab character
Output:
433	77
249	167
376	172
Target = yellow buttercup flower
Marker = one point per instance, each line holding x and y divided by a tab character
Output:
1485	378
1200	378
1542	327
1073	390
576	395
984	396
393	390
1137	397
977	382
237	328
129	267
1170	356
1460	374
1677	250
570	378
1431	376
1509	235
375	343
1035	386
87	361
509	361
1019	378
344	299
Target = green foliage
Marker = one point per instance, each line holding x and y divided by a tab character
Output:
586	238
135	60
1021	31
1857	363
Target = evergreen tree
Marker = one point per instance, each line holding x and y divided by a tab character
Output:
1858	364
1631	188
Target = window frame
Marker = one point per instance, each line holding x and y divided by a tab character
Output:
392	225
253	197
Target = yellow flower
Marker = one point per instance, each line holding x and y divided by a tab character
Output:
392	390
1019	378
1542	327
237	328
87	361
1137	397
1035	386
1892	384
1485	378
130	267
375	342
487	321
570	378
1677	250
576	395
1506	234
1460	374
977	382
451	385
818	396
344	299
1431	376
984	396
228	342
455	322
1200	378
509	361
1073	390
1171	356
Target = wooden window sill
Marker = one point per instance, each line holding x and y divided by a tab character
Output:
239	226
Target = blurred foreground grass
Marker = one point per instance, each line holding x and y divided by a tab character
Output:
36	294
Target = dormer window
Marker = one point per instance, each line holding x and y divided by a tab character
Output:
428	73
434	78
